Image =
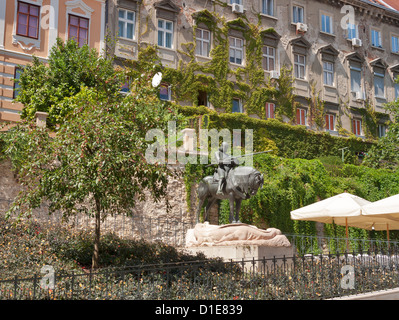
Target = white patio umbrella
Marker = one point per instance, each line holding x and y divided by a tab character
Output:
348	210
385	212
344	209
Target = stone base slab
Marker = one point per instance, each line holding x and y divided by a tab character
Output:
251	256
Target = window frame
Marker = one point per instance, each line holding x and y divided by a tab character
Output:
270	109
327	72
269	6
239	105
302	16
266	58
298	65
382	128
302	119
28	19
169	91
125	21
381	77
357	125
201	40
372	37
356	29
165	31
322	25
78	31
236	49
355	69
328	118
397	43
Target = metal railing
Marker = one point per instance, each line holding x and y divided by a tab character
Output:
306	277
321	244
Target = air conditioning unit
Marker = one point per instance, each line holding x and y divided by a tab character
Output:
360	96
237	8
356	42
274	74
302	27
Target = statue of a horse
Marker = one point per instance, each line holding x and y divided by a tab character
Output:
241	183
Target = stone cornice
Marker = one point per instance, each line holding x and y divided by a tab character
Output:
378	12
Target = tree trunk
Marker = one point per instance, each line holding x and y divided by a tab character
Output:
95	257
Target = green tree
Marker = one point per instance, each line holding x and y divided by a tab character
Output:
44	87
93	163
385	154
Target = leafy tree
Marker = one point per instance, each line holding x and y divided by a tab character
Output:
385	154
95	161
44	87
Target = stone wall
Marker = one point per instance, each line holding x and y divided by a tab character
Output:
150	220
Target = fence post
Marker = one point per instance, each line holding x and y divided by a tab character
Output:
15	287
73	281
34	285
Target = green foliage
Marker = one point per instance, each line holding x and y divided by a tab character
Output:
45	87
385	153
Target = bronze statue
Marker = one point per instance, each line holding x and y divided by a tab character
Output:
229	182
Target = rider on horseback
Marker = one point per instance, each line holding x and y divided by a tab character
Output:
225	163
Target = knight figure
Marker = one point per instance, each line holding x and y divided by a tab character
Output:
225	164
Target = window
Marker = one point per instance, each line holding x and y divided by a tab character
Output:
267	7
382	129
396	86
203	41
297	14
78	29
395	44
237	106
269	58
326	23
328	73
269	108
17	75
356	78
379	89
353	31
126	24
236	1
203	98
165	33
236	50
299	66
28	20
376	38
357	127
165	92
301	116
330	122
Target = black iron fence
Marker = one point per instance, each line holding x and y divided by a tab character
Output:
321	244
299	277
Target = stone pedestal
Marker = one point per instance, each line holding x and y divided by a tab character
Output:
257	249
251	256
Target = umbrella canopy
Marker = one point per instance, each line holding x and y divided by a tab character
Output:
342	208
384	212
387	206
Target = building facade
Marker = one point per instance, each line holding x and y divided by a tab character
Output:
346	51
31	27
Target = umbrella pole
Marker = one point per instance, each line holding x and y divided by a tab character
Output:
346	230
388	234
